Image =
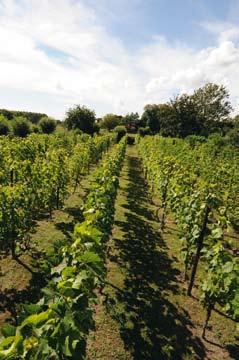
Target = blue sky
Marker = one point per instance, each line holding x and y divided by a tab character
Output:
116	55
136	21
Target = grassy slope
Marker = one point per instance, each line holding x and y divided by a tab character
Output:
150	317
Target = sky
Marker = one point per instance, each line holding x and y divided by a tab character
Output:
114	55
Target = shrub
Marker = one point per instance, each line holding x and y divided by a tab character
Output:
4	126
47	125
77	131
120	131
194	140
233	137
233	134
217	140
21	127
35	129
144	131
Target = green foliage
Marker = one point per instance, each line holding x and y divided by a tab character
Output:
131	118
15	216
197	181
233	134
168	119
204	112
187	121
35	129
120	131
194	140
221	285
31	116
57	327
96	128
80	117
212	106
47	125
150	118
131	121
217	140
144	131
110	121
85	153
21	127
78	132
35	175
4	126
233	137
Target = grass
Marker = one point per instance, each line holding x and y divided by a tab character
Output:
21	279
150	316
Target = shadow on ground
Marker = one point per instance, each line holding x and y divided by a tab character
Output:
67	227
30	290
233	351
151	326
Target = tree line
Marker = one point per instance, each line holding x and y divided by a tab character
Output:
204	112
19	125
33	117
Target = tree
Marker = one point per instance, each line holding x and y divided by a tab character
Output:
203	113
47	125
80	117
21	127
186	116
110	121
4	126
150	118
236	120
212	107
131	118
168	120
131	121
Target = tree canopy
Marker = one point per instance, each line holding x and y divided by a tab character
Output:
212	106
21	127
82	118
110	121
204	112
31	116
150	118
47	125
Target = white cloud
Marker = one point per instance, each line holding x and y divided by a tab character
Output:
224	55
181	69
223	30
95	68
